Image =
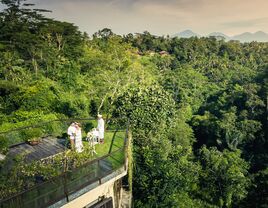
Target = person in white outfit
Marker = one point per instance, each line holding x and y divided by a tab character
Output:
78	138
100	128
71	133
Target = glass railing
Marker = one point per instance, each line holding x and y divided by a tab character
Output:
74	180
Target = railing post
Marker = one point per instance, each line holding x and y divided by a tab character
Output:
99	172
126	143
65	166
126	136
112	142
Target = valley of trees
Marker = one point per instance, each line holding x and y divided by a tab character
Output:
197	107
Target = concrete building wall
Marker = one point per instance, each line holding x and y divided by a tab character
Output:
111	188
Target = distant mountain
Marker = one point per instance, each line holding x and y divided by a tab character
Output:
244	37
219	34
186	34
249	37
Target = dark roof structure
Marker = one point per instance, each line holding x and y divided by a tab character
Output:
48	146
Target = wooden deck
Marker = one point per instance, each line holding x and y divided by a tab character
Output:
47	147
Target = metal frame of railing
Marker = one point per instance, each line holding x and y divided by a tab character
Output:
7	202
55	120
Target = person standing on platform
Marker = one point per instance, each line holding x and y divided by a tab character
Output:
78	138
71	133
100	128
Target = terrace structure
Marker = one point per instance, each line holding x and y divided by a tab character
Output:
69	180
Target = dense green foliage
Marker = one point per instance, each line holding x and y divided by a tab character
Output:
198	111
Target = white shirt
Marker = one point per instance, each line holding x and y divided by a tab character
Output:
71	131
100	128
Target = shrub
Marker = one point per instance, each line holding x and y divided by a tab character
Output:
32	134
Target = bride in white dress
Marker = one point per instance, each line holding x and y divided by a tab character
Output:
78	138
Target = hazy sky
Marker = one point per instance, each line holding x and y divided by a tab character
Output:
162	17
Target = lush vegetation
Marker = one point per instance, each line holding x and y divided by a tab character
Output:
197	107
